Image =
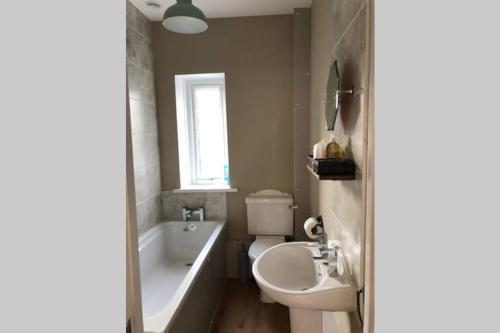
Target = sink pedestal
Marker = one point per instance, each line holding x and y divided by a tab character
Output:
309	321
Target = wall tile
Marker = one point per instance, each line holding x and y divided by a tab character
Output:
341	203
143	118
138	21
352	55
352	250
147	183
343	12
145	150
148	214
141	84
139	50
350	244
347	205
214	204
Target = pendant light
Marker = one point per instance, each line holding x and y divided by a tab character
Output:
184	18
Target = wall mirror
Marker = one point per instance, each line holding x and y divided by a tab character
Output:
333	92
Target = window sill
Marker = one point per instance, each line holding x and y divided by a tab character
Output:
197	189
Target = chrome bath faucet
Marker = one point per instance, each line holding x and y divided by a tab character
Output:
188	212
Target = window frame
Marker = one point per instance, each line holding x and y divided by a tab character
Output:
186	128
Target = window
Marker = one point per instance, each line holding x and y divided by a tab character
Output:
201	130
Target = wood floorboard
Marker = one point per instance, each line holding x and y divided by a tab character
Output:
241	311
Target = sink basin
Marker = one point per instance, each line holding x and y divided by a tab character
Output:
290	274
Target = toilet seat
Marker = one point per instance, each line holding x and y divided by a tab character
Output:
262	243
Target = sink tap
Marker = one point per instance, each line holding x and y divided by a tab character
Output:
187	213
328	257
319	230
323	241
327	253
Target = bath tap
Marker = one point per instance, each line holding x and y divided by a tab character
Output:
187	213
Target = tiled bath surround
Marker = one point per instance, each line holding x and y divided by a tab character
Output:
143	119
339	31
214	204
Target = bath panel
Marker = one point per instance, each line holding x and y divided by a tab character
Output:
182	272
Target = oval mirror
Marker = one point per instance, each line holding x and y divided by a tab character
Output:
332	102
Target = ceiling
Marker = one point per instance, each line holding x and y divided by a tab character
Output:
227	8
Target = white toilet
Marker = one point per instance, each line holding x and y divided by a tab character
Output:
270	219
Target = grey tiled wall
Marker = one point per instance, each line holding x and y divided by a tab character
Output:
143	119
339	31
214	204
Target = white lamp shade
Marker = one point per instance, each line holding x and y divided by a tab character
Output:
185	24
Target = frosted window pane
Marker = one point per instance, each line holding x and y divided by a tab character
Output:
209	132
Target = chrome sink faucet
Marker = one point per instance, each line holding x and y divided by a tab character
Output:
187	213
323	242
327	252
329	257
322	236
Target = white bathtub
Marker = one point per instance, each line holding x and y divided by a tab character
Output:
171	262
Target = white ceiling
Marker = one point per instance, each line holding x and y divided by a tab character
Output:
228	8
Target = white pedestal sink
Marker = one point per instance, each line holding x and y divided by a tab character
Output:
290	274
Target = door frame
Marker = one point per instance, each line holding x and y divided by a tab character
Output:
369	292
134	303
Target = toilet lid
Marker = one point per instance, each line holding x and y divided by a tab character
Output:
262	244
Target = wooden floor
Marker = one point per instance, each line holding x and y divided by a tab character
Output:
240	311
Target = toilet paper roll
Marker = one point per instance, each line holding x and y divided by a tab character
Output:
309	225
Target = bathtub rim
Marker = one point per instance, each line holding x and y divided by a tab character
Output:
162	321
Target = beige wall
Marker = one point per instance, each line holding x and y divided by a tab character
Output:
256	54
339	31
301	105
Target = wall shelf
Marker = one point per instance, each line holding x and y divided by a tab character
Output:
331	169
330	177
